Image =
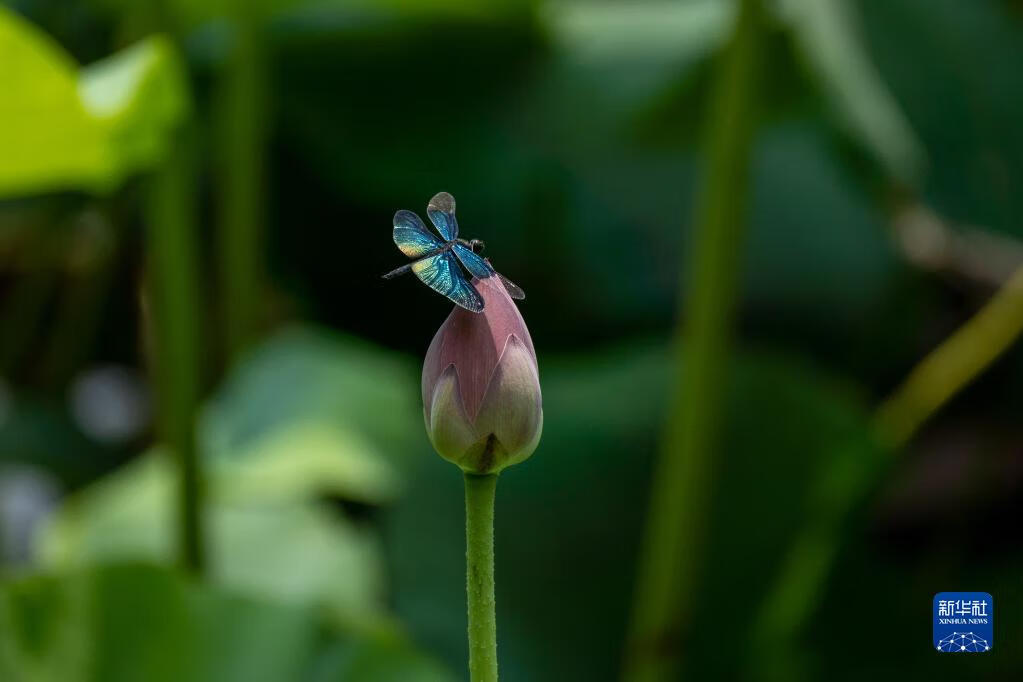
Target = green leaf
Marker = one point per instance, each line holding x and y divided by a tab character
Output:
140	96
133	622
827	33
673	43
308	412
378	661
308	458
953	67
306	554
658	33
303	416
47	135
292	551
65	128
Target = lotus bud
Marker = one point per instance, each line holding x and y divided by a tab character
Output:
481	386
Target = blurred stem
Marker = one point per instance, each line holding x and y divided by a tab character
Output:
953	364
170	214
479	576
240	111
842	485
681	481
838	488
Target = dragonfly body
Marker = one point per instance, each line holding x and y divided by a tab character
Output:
438	261
475	245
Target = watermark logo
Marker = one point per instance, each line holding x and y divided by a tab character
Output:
963	622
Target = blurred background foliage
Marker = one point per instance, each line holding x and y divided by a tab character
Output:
884	210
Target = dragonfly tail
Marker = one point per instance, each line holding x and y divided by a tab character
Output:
398	271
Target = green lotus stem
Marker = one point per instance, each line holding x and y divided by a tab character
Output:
676	517
171	254
240	112
953	364
840	487
479	576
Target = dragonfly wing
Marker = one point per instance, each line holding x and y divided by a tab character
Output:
473	262
441	210
412	236
442	274
513	289
480	267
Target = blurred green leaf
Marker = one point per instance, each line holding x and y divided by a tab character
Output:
309	458
811	222
41	432
304	554
953	67
125	514
139	95
377	661
662	34
292	551
827	32
134	622
305	415
65	128
673	43
309	412
44	126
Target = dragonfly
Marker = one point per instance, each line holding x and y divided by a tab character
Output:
437	260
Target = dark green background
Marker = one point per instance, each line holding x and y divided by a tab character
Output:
571	137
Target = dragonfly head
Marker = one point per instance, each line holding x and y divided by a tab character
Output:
477	245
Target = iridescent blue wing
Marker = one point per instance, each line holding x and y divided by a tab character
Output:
480	267
442	274
441	210
412	237
473	262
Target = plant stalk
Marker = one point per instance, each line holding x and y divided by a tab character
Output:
173	274
240	111
479	576
940	375
679	489
956	362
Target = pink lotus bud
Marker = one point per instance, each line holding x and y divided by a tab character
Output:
481	386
